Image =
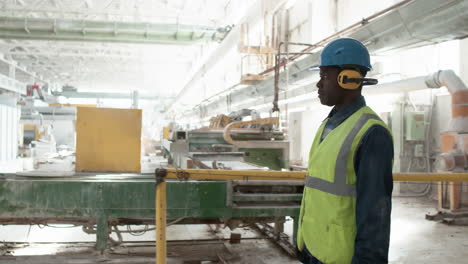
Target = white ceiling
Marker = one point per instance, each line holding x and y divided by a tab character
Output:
156	68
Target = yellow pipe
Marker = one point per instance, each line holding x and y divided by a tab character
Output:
255	175
431	177
161	223
227	130
195	174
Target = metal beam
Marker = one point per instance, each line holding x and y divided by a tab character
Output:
106	31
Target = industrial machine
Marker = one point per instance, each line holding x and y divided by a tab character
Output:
230	143
101	202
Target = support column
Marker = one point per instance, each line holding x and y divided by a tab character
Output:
102	231
161	250
102	226
455	195
135	98
463	62
295	228
12	71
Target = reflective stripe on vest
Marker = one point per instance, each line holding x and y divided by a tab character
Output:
339	186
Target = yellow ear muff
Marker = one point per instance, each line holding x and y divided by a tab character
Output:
349	79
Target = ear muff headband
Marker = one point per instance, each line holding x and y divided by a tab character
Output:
352	79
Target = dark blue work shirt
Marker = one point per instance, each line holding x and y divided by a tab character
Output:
374	185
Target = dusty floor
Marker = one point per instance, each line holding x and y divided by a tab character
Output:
414	240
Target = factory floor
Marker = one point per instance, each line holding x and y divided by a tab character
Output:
413	240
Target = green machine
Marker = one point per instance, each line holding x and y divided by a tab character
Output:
254	144
101	203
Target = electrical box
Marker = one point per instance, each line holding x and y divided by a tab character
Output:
415	126
419	150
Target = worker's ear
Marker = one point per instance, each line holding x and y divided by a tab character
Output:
353	79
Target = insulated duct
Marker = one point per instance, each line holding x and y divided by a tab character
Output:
107	31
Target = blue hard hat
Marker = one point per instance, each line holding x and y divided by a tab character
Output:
345	51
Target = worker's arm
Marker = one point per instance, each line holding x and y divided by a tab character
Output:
373	166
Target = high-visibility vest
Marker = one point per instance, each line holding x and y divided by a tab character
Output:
327	222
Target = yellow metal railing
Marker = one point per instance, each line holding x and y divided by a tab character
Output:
194	174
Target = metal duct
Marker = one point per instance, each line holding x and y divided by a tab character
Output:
106	31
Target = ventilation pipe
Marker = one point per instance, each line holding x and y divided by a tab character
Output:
459	92
454	142
447	78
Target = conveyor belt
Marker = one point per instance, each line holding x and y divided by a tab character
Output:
102	198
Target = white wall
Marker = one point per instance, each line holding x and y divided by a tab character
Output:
311	121
311	20
9	120
463	49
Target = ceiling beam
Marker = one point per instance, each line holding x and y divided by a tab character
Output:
105	31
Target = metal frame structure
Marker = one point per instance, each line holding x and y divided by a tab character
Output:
36	41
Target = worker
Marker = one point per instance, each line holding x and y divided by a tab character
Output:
346	206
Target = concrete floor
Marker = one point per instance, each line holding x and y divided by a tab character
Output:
413	240
416	240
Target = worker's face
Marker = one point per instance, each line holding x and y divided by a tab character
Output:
329	92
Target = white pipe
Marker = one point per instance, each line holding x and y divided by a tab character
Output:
446	78
406	85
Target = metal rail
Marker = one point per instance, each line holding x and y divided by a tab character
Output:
194	174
